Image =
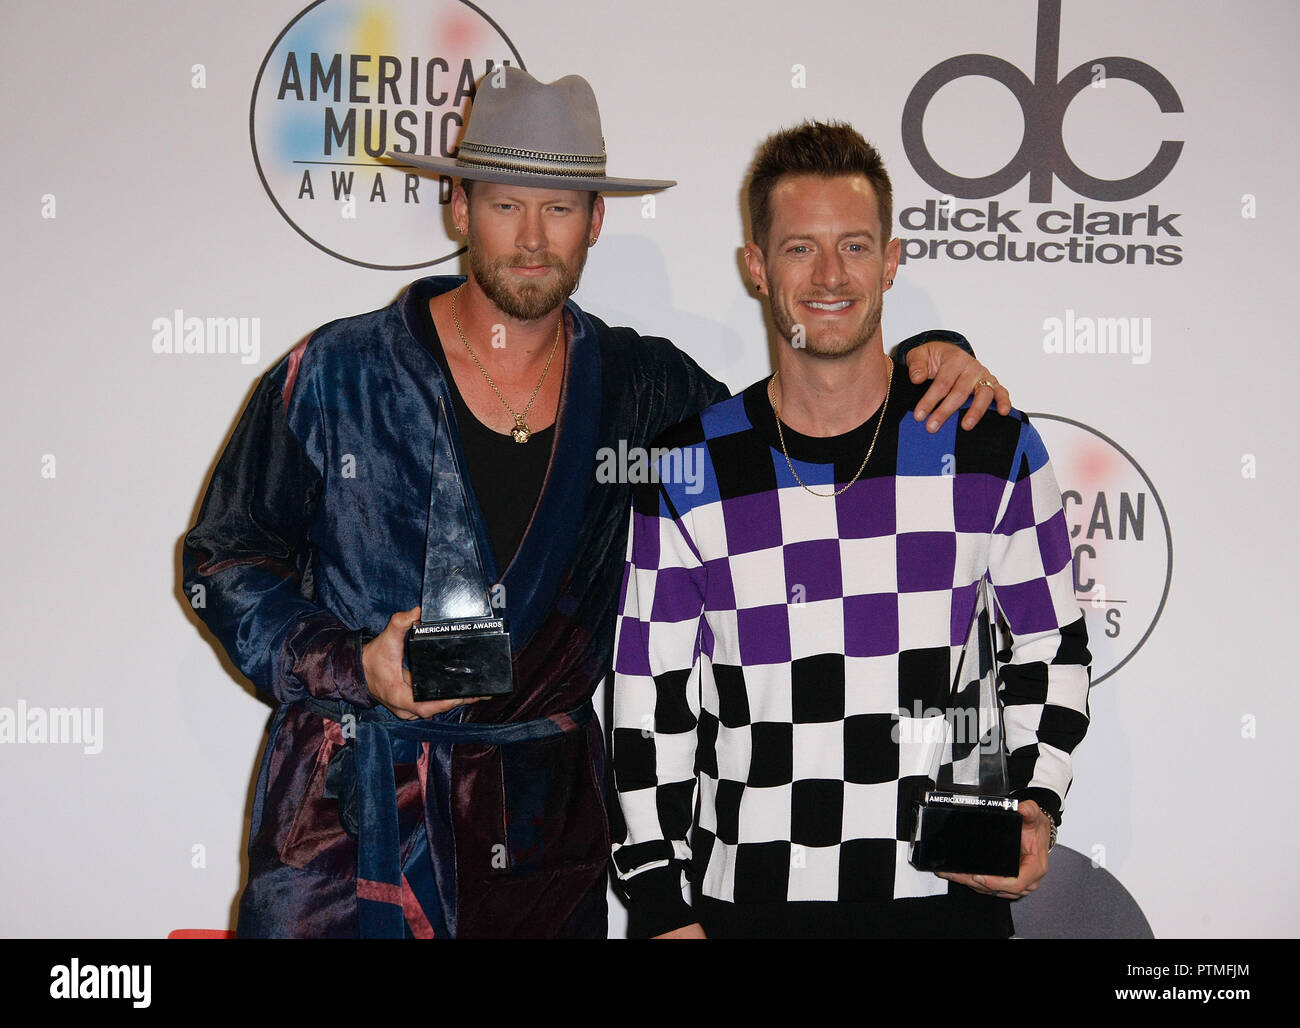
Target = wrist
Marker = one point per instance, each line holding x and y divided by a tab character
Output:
1046	799
367	672
1052	822
656	905
934	335
322	656
347	667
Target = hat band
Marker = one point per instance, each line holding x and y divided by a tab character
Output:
536	162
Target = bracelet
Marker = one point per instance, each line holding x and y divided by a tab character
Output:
1051	841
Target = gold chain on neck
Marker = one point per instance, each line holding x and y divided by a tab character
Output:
771	398
521	432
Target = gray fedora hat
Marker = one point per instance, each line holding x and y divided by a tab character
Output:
531	133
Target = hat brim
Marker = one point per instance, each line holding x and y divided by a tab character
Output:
501	176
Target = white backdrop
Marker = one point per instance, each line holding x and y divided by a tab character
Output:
130	191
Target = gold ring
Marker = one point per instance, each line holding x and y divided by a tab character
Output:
986	382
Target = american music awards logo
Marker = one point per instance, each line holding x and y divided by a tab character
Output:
1119	535
348	80
1000	226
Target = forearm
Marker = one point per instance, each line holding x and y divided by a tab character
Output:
244	558
287	646
1046	713
656	711
652	848
1046	672
654	741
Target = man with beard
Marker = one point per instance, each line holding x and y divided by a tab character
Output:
377	814
784	616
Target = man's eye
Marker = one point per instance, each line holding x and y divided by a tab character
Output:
799	248
856	248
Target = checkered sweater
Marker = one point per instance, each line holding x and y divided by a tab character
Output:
774	648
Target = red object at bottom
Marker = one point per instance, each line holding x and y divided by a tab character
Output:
200	933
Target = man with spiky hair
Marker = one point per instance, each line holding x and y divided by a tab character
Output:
781	618
377	814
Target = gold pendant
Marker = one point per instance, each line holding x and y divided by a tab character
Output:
520	432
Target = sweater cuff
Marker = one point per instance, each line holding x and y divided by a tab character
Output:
655	902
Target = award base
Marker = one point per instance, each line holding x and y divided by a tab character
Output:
967	834
456	659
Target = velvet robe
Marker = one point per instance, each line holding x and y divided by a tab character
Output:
312	534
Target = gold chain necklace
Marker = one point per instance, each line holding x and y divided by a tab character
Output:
521	433
771	398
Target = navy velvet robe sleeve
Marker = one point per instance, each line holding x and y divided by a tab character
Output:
247	570
934	335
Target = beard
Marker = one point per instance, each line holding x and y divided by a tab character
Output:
523	300
830	344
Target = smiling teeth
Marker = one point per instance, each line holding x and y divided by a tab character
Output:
828	306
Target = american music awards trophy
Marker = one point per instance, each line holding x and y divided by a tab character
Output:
460	647
967	824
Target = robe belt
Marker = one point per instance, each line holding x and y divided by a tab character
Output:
390	896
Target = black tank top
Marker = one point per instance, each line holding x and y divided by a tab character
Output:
506	476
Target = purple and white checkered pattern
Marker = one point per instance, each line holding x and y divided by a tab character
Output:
787	657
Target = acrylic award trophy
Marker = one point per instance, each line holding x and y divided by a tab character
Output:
460	647
967	824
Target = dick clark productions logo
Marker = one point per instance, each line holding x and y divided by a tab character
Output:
1076	233
1043	103
347	81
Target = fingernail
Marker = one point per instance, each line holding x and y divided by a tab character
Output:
933	426
978	878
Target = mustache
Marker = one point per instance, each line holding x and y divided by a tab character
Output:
520	260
